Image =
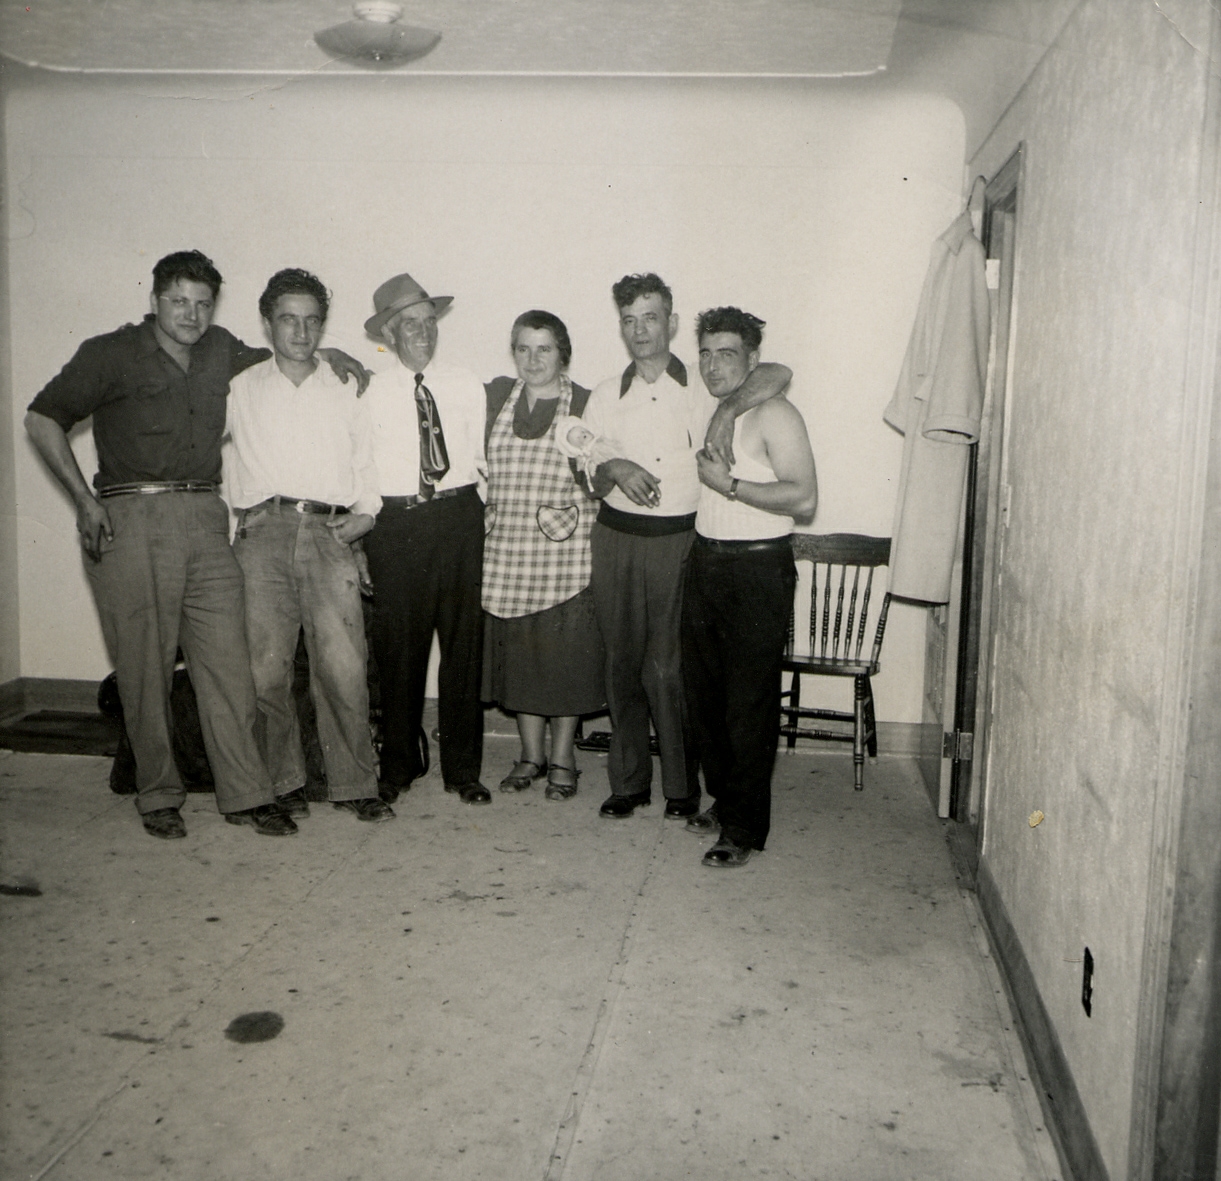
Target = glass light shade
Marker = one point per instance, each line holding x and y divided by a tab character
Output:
376	38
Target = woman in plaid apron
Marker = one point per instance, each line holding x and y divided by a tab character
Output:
542	654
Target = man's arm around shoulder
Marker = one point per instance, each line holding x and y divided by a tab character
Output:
767	380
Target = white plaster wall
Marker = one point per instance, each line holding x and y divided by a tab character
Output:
1111	121
812	205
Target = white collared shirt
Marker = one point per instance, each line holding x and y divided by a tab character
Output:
462	409
661	425
312	442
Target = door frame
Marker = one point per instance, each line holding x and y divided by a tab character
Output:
986	513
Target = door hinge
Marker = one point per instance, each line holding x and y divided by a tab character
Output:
957	745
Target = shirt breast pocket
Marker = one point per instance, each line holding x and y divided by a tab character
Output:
151	410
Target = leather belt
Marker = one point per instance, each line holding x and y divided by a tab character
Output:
151	487
744	547
413	501
318	507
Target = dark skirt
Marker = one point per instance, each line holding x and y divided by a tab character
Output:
549	663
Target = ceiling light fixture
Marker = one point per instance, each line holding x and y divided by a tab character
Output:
375	38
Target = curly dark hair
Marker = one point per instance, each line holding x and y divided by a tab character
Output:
293	281
748	327
631	287
536	318
192	265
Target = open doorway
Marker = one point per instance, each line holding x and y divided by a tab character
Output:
959	639
986	516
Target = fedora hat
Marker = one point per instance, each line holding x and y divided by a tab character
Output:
396	294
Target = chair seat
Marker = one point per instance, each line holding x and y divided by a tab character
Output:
827	666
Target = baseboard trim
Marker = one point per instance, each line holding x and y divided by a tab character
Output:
28	694
1062	1106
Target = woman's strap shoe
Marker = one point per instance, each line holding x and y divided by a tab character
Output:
523	774
562	783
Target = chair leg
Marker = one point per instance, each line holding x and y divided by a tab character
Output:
794	696
871	721
858	734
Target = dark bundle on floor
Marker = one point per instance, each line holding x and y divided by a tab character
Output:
189	754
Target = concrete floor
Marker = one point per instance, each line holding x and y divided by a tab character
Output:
521	991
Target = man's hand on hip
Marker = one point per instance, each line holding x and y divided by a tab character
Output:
93	523
350	527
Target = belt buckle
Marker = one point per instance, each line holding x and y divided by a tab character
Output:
300	507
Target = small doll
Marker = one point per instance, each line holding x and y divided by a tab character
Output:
575	440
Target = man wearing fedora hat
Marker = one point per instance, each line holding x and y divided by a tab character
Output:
425	553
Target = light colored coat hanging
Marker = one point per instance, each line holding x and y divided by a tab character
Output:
937	406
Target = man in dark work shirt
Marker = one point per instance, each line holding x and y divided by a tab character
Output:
155	534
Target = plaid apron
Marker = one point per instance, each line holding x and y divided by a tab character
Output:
538	519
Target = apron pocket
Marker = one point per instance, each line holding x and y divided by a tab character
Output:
557	523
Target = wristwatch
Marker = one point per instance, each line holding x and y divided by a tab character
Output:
732	494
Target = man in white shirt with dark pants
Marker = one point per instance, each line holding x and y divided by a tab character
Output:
299	472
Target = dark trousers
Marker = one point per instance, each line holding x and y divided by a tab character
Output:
426	562
736	608
637	586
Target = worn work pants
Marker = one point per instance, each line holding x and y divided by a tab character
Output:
298	576
736	609
169	580
637	586
426	563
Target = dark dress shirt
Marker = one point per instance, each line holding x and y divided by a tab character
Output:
151	421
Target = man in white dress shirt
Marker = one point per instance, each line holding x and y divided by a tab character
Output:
426	554
642	536
299	472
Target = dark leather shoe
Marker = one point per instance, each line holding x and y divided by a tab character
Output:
617	807
704	823
681	809
268	820
726	855
389	792
294	803
165	823
470	793
374	809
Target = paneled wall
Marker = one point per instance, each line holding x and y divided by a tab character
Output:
1101	447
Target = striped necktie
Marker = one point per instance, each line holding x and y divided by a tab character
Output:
434	459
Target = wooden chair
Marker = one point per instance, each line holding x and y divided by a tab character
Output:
840	587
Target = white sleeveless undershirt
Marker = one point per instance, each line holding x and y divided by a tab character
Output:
731	520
